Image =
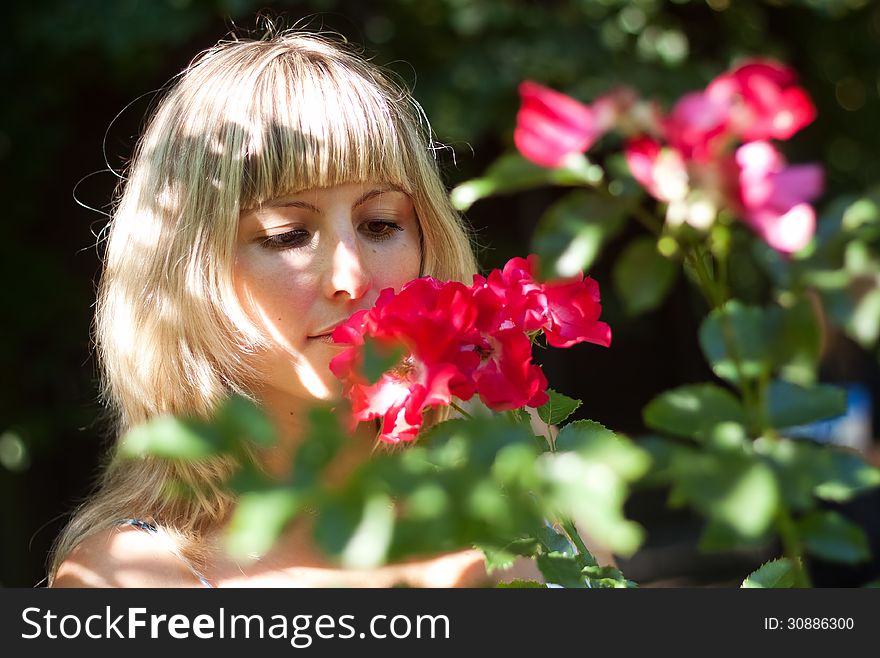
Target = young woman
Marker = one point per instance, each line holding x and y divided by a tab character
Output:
280	185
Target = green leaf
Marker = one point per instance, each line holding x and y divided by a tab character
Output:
557	408
777	574
750	501
503	558
512	172
555	542
571	232
606	577
693	411
796	337
799	467
379	358
258	520
848	475
736	332
560	569
806	469
789	405
589	491
864	324
832	537
737	492
323	440
496	558
172	438
240	419
369	542
595	442
642	277
719	536
568	571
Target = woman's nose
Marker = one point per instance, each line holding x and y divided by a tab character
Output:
348	273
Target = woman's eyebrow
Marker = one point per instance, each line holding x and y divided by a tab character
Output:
294	203
376	192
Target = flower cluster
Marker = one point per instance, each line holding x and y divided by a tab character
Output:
459	341
712	151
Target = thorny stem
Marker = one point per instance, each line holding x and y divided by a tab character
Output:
791	546
717	294
574	535
459	409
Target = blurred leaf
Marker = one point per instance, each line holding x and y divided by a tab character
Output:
736	492
379	358
595	442
806	469
259	519
832	537
848	475
368	545
789	405
571	232
337	521
557	408
172	438
240	419
864	324
323	440
428	501
512	172
796	338
719	536
591	493
693	411
800	466
862	214
777	574
642	277
736	333
750	501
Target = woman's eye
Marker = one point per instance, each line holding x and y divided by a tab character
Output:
291	239
378	229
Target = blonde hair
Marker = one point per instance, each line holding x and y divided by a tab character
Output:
247	121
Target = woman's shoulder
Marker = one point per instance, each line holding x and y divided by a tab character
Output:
124	556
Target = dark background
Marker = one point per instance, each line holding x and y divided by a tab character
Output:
78	78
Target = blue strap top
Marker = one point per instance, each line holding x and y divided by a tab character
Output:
151	529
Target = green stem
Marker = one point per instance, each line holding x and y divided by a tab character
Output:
460	410
791	547
574	535
717	293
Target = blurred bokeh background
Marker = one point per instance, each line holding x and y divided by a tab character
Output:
79	77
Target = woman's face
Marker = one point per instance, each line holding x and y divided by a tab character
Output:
306	262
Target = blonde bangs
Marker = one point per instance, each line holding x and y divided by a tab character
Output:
298	119
318	127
